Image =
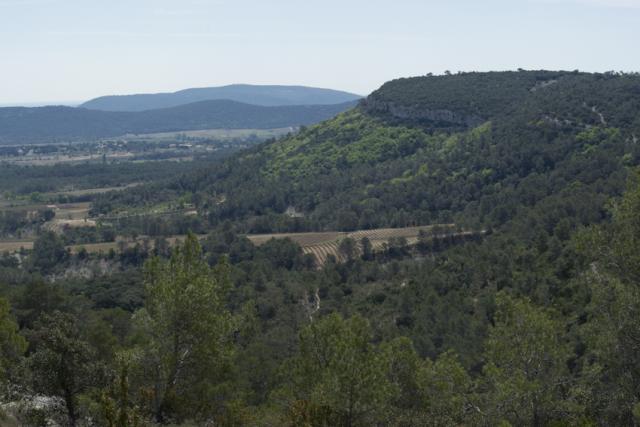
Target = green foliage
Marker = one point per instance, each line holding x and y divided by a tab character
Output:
350	139
116	405
348	248
62	363
48	252
526	369
12	344
613	331
186	333
446	391
338	376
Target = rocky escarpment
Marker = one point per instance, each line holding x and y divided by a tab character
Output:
419	114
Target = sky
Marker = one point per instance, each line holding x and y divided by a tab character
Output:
63	51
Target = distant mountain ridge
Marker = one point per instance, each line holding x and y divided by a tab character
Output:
57	123
264	95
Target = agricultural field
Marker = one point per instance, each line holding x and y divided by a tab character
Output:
67	211
213	134
185	145
87	191
69	215
303	239
94	248
71	211
15	245
325	244
320	244
120	243
22	220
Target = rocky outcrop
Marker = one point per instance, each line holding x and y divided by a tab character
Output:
543	84
416	113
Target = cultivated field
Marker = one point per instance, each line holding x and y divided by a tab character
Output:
128	243
54	159
88	191
72	211
15	245
324	244
220	134
320	244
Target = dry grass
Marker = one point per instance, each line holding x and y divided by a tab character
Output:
303	239
15	245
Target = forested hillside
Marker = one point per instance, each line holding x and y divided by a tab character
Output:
531	319
367	169
56	123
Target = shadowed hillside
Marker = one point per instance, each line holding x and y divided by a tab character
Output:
51	124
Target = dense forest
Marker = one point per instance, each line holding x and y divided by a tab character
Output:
533	320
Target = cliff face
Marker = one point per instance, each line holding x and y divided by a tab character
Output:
416	113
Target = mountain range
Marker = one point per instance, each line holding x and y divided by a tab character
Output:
264	95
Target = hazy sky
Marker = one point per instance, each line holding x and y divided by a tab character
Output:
64	50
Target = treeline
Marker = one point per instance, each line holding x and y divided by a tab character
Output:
15	221
20	181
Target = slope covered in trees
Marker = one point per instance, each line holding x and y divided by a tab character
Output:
365	169
51	124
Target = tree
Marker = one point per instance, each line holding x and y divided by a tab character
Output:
187	332
339	377
347	220
446	391
48	252
367	249
403	364
424	241
12	344
48	215
612	335
62	363
117	408
612	332
37	298
397	246
348	248
526	364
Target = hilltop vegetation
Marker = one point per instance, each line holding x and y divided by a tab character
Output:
532	320
471	98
